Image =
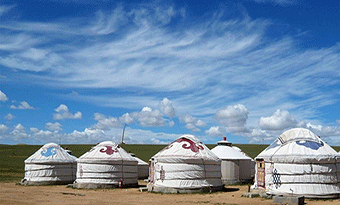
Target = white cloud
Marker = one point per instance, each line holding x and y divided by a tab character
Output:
64	113
262	136
3	128
19	133
234	118
3	97
171	123
53	126
167	108
200	123
322	131
149	118
89	136
23	106
126	119
191	122
215	131
105	123
280	120
9	116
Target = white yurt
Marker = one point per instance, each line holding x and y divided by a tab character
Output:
185	166
106	165
298	163
236	166
143	167
51	164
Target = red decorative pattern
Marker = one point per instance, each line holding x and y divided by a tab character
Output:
109	150
162	174
192	145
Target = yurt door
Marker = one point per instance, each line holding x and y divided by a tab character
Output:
260	173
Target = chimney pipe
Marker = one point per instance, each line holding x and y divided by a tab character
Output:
224	138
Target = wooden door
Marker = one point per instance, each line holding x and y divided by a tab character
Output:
260	173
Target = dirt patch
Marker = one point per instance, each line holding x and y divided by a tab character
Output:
17	194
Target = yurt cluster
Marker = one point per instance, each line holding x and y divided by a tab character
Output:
297	163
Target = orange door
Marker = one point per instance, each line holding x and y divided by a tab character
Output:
260	173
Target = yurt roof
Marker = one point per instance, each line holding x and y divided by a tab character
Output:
140	162
106	151
50	153
187	146
224	151
298	145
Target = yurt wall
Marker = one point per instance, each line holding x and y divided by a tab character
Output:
185	166
298	163
51	164
236	167
106	165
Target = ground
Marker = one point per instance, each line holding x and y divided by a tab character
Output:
10	193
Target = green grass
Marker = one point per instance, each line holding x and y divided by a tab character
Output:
12	167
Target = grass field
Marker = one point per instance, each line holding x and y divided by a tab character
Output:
12	156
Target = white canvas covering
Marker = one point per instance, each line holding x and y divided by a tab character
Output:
143	168
106	165
186	165
51	164
298	162
236	166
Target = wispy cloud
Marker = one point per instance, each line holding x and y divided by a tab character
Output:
5	9
204	67
278	2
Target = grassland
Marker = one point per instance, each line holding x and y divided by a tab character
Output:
12	156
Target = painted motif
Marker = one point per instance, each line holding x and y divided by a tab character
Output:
276	179
109	150
162	174
192	145
51	151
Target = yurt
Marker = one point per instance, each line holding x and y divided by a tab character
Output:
236	166
51	164
143	167
185	166
298	163
106	165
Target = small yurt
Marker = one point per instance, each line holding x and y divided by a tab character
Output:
106	165
236	166
298	163
185	166
51	164
143	167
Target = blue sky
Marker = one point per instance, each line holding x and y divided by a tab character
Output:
77	71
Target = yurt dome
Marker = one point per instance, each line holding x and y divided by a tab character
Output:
51	164
185	166
106	165
236	166
298	163
143	167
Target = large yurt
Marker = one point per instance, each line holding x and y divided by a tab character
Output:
298	163
143	167
236	166
185	166
106	165
51	164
